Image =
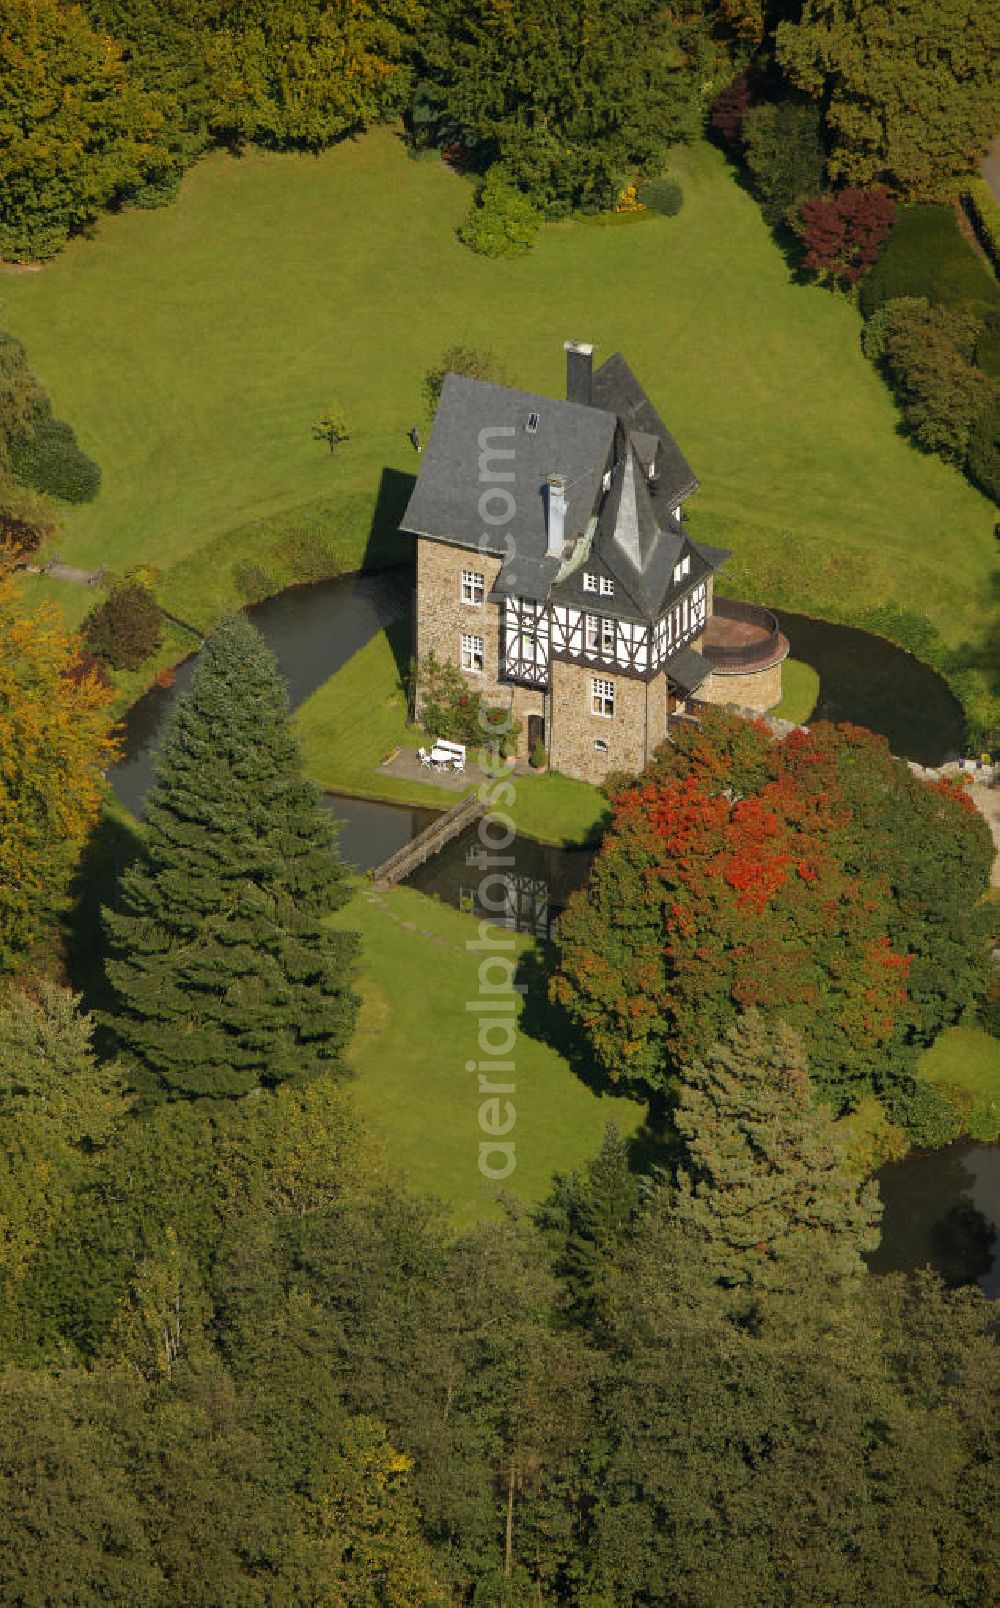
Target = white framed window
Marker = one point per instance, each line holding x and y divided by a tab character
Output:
472	653
593	632
589	581
607	636
682	569
607	587
473	587
602	697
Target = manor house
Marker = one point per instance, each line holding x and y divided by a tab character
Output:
554	567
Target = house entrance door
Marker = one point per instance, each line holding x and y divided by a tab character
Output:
536	731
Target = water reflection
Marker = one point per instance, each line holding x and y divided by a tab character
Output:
942	1208
528	895
868	681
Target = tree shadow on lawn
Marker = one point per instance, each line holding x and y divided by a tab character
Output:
654	1143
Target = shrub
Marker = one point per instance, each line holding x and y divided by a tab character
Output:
252	581
49	459
661	195
988	345
926	255
27	519
454	710
927	352
984	446
729	110
927	1114
784	150
539	757
844	233
985	210
501	221
305	556
126	627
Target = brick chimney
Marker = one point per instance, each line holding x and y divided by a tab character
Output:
579	372
555	516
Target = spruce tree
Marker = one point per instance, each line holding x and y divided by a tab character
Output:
761	1180
223	971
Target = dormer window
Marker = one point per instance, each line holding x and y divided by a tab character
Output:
607	587
682	569
589	581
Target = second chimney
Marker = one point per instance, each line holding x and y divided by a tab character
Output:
555	517
579	372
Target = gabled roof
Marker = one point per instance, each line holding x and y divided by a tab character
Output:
483	475
632	540
617	390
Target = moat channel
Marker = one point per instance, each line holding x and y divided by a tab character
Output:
942	1207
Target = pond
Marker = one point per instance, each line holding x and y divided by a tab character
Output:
311	630
868	681
942	1208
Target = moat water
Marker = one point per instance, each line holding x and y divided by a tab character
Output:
941	1208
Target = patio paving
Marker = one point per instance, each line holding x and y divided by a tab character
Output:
406	765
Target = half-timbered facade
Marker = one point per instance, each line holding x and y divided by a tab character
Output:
554	568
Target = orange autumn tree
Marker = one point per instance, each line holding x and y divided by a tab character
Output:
813	879
55	744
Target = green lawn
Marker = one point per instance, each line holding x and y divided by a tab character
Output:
414	1038
194	347
799	692
969	1058
359	716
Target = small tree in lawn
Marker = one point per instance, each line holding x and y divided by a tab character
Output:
224	971
332	428
844	233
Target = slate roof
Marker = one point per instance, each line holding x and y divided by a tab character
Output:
617	390
483	459
687	670
570	440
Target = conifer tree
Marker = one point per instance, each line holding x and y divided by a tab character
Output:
762	1182
223	971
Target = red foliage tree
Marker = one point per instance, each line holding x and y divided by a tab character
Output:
844	233
807	878
729	108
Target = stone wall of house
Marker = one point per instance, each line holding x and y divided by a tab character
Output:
638	725
442	618
751	689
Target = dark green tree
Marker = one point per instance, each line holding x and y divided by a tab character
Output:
75	131
224	971
784	150
561	95
761	1182
909	97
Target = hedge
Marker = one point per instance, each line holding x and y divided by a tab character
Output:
926	255
984	209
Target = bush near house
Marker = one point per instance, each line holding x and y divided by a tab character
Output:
126	627
457	712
